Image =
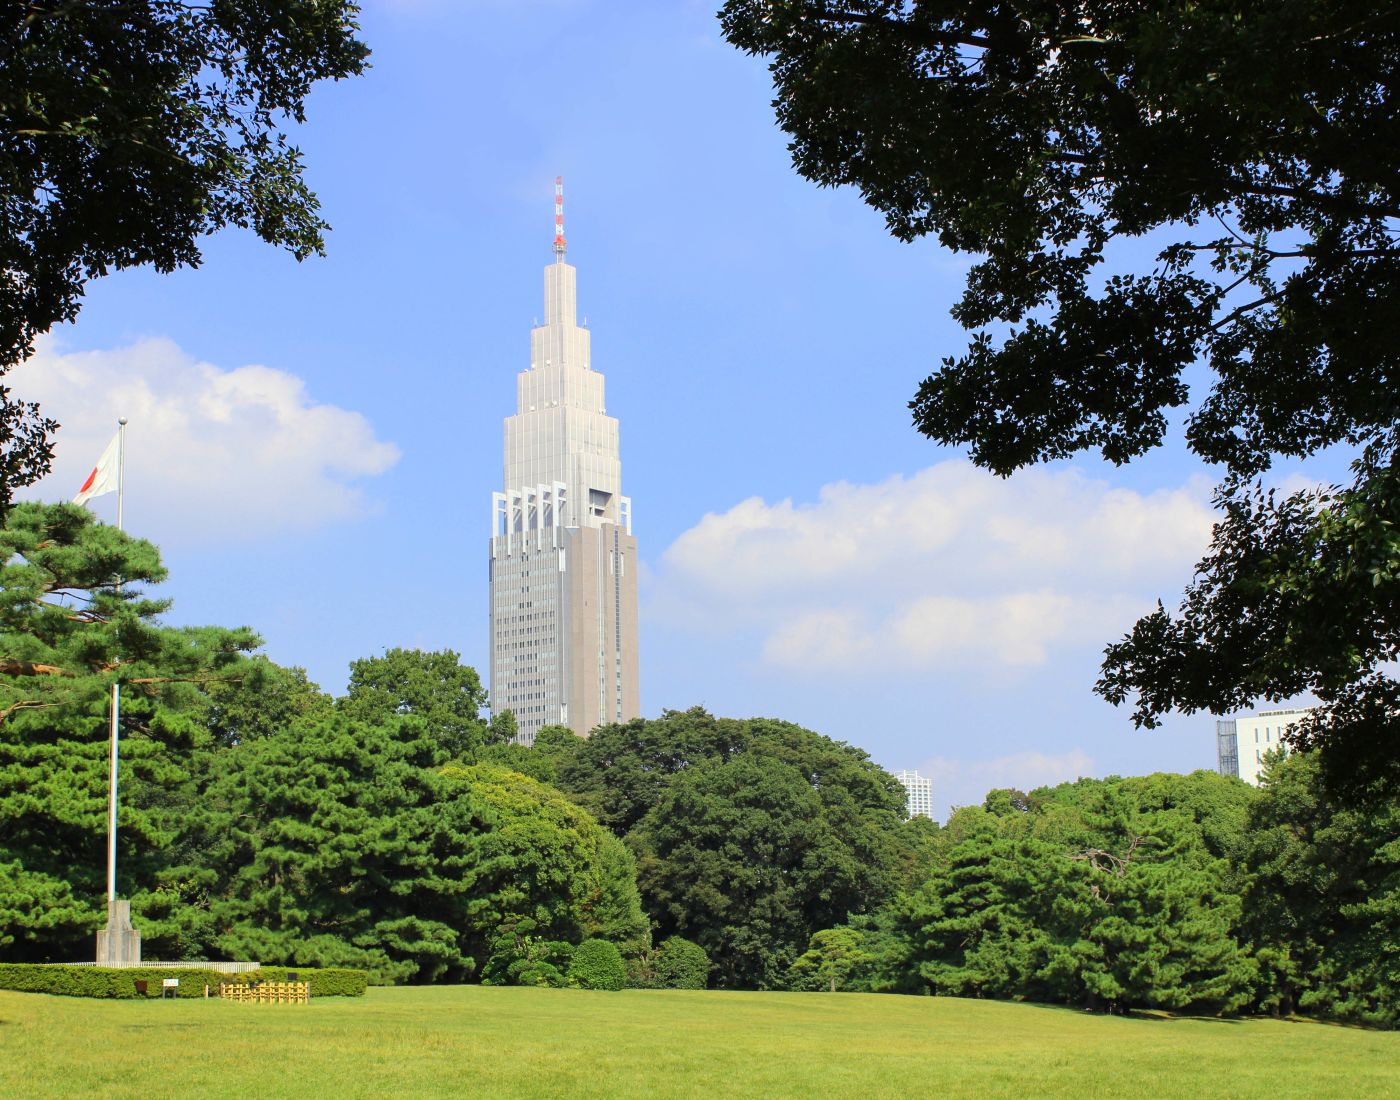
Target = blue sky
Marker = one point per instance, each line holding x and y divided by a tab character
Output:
315	445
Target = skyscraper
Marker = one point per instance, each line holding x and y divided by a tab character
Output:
918	794
563	559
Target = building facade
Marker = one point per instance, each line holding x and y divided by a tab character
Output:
1242	742
918	794
563	561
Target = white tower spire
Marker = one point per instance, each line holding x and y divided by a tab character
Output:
563	559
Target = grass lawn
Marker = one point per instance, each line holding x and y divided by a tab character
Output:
469	1041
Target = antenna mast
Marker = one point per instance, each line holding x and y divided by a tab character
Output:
559	245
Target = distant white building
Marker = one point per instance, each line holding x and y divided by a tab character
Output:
1241	742
918	794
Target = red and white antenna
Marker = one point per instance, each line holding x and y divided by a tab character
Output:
559	245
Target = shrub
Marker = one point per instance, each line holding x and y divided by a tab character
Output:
537	972
518	958
681	964
69	981
597	964
324	983
641	971
63	980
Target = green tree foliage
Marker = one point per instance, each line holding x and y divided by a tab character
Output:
338	842
596	964
614	911
681	964
1297	594
916	843
502	729
434	687
558	745
736	857
258	818
887	969
130	129
75	615
520	957
541	858
621	771
1107	894
314	844
264	699
833	955
1323	907
552	747
69	629
750	835
1256	144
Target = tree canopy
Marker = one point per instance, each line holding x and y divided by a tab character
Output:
129	129
310	831
259	817
435	687
1323	905
832	955
330	843
1181	892
1107	894
1254	146
750	835
75	617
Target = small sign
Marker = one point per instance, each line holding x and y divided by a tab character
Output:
170	983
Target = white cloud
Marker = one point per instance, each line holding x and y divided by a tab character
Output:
210	453
946	567
825	639
1019	626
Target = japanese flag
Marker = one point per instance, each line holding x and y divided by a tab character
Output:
103	478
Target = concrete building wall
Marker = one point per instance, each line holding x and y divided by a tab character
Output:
527	630
1243	741
563	559
601	601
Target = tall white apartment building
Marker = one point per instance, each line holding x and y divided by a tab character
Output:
563	562
1242	741
918	794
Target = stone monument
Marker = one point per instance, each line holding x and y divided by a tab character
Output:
118	944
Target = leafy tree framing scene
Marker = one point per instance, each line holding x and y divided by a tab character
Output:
1175	232
128	132
1254	148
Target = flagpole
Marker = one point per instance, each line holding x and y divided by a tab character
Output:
116	706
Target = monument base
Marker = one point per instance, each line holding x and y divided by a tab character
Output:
118	944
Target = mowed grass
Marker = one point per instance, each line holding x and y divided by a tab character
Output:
469	1041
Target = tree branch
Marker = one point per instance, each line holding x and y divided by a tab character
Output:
1107	862
906	30
1240	311
25	704
10	666
144	681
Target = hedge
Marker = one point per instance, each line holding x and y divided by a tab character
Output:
597	964
98	981
681	964
324	983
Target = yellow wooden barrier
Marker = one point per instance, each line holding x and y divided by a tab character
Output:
266	992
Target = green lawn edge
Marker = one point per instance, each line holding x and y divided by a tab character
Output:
515	1042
